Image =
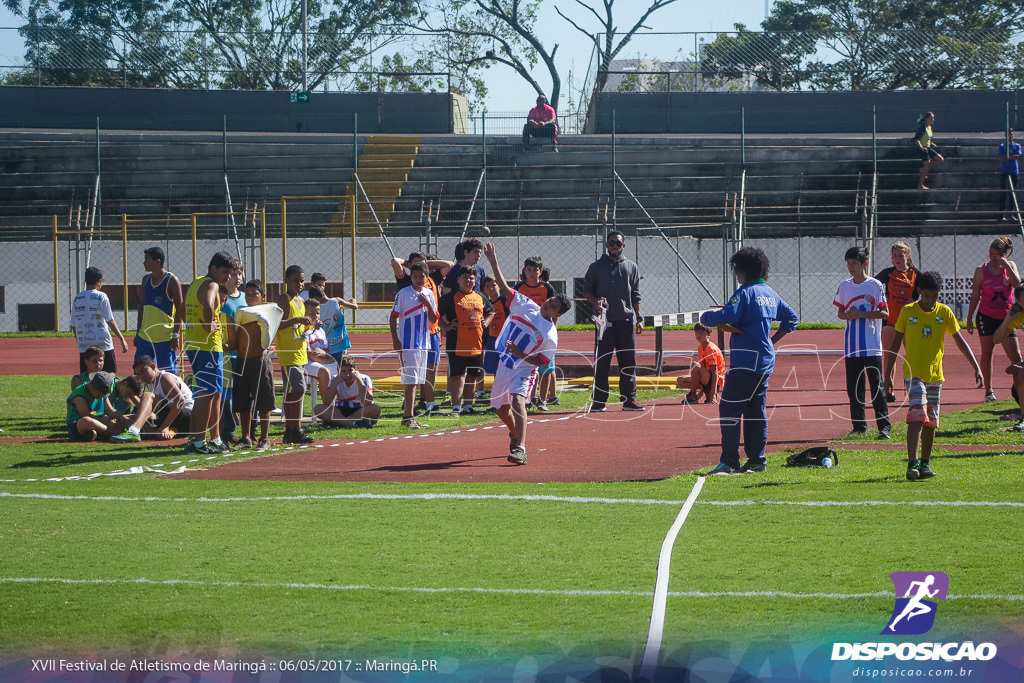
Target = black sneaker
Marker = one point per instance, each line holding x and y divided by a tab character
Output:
517	456
885	433
753	467
924	471
890	397
633	406
297	436
913	474
597	408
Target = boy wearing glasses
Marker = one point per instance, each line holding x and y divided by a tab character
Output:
616	279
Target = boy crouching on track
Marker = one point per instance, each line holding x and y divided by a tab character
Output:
921	328
528	340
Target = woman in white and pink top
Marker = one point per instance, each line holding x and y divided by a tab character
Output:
991	298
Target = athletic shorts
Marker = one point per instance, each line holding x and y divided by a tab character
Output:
472	366
294	379
254	385
434	354
986	324
414	366
923	401
548	367
207	371
73	432
160	352
347	409
490	357
313	369
927	154
518	382
181	424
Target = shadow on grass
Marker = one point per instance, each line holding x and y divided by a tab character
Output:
975	454
112	453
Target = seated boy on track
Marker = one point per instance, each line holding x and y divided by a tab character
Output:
707	375
528	340
921	329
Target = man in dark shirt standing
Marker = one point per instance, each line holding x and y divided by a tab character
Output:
615	279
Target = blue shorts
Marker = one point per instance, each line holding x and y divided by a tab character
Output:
434	354
547	368
490	357
207	371
160	352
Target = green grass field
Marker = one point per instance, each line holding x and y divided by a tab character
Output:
489	579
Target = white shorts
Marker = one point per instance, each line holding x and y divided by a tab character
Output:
414	366
518	381
313	369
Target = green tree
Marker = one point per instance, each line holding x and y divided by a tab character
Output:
236	44
875	45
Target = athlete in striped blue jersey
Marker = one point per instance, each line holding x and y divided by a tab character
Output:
414	310
862	304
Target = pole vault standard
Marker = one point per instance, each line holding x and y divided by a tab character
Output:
667	240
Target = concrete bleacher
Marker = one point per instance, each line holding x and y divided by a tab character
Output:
812	183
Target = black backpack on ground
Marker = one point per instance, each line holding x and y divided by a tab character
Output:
812	457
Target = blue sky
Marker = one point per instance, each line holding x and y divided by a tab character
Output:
507	92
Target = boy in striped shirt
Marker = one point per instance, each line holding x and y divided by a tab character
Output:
414	310
862	304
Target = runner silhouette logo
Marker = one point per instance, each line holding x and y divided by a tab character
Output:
916	592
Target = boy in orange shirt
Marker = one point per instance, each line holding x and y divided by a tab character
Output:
465	314
707	376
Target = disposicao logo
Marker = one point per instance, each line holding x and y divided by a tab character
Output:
914	614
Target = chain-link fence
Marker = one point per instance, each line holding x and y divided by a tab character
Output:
684	201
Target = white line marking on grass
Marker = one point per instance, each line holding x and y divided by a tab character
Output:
657	628
472	589
504	497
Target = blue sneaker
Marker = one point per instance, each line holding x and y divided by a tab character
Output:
125	437
722	468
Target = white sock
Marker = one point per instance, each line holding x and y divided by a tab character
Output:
134	430
216	441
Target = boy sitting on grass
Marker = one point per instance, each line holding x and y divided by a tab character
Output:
93	359
86	424
353	405
707	375
921	328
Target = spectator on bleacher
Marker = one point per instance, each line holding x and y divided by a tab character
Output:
538	290
436	271
414	310
541	123
156	333
862	304
92	320
464	315
991	299
617	279
930	157
315	280
707	375
202	338
1010	167
749	313
291	354
900	282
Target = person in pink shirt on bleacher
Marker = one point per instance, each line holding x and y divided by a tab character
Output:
540	123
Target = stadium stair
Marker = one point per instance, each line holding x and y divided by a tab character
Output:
383	169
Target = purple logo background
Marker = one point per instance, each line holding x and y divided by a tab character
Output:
914	611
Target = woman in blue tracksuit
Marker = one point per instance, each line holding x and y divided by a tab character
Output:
748	316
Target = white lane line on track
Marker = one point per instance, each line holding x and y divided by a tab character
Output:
652	650
471	589
509	497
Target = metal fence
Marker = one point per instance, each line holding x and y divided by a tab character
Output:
684	201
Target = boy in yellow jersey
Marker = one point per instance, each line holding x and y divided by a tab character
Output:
202	337
157	335
922	327
291	353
